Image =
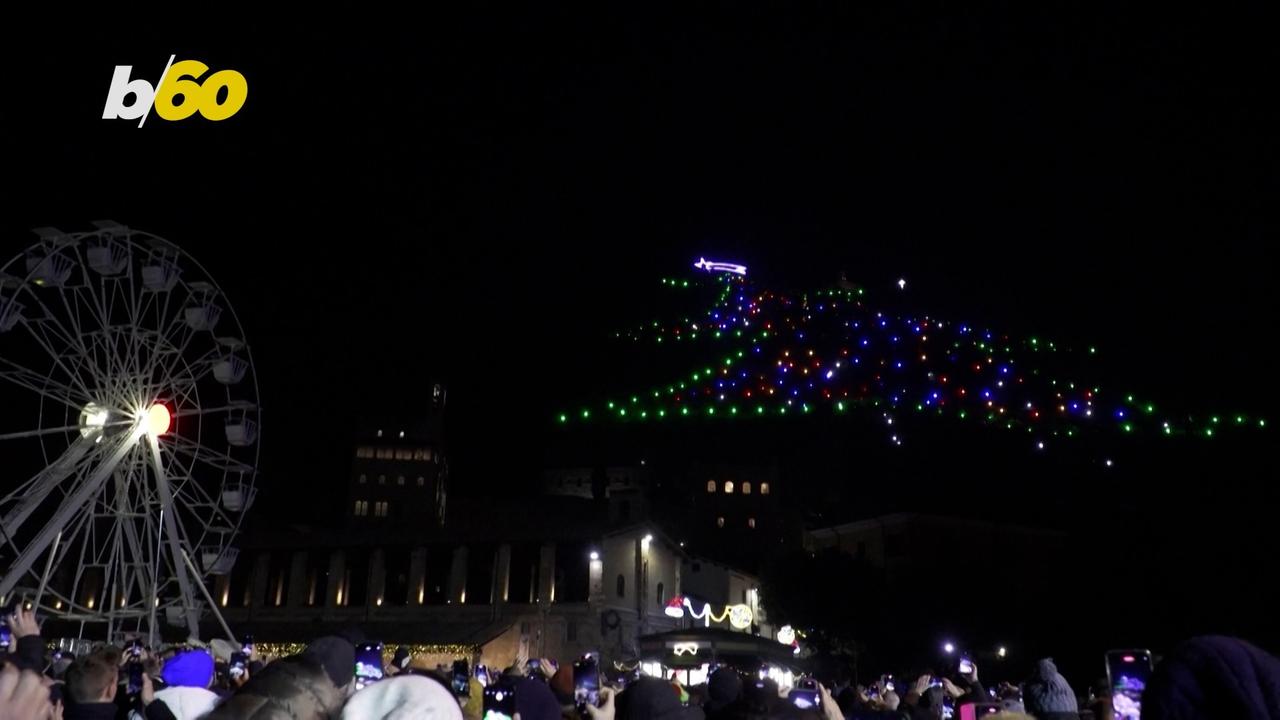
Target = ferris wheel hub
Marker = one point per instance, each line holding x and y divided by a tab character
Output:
92	419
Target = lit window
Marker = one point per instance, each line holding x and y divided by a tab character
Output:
361	508
751	523
404	454
400	480
764	488
421	481
728	487
382	479
384	454
363	479
711	486
401	433
364	452
379	433
380	509
746	488
720	521
421	454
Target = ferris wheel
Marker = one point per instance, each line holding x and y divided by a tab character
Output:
128	429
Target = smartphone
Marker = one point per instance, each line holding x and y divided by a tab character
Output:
368	664
966	666
976	710
135	677
246	645
6	635
461	679
888	683
482	675
500	700
237	666
533	668
1127	673
805	695
586	684
135	649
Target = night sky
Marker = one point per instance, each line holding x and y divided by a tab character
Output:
485	199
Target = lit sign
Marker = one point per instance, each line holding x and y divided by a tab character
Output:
713	266
688	648
739	616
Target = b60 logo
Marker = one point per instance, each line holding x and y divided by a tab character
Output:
179	94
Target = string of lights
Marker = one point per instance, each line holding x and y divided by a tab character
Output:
779	355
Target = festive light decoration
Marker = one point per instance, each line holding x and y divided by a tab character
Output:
724	267
780	355
786	635
280	650
685	648
739	616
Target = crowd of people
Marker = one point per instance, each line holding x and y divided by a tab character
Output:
1208	677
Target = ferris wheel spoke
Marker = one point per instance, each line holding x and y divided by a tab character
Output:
56	430
208	456
33	492
74	502
57	359
40	384
174	540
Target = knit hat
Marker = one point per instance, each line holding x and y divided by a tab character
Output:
723	687
336	655
404	697
1214	676
191	668
534	701
1047	691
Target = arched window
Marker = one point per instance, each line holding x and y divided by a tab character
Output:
662	594
764	488
711	486
622	586
364	479
720	521
400	480
728	487
421	481
751	523
746	488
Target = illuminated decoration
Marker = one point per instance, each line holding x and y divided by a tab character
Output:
902	283
279	650
685	648
738	616
767	354
786	635
724	267
158	419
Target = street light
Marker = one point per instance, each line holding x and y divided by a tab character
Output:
948	648
595	555
1002	651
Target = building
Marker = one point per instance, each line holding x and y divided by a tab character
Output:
555	591
399	471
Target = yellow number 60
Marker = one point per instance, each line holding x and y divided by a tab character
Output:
191	96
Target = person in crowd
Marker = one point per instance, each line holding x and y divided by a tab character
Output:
653	699
405	697
91	685
28	647
535	701
400	661
337	656
724	695
24	695
1214	676
293	688
187	678
1046	694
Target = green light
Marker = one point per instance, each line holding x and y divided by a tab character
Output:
610	404
564	418
1168	430
711	411
733	410
1093	350
1239	419
644	414
684	411
1215	419
717	333
805	407
659	338
656	393
782	410
840	406
1262	423
1151	409
1208	432
759	409
622	412
1127	427
634	399
1034	341
586	414
962	414
662	413
1128	398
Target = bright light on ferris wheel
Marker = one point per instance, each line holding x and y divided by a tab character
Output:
158	419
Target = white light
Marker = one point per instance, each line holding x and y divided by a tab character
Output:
401	433
595	555
92	418
1002	652
949	648
902	283
1109	463
786	635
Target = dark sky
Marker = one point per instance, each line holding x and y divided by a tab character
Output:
484	198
